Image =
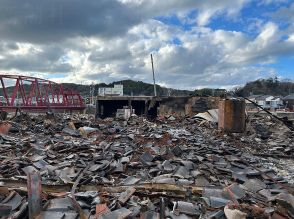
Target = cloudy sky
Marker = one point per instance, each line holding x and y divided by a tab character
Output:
195	43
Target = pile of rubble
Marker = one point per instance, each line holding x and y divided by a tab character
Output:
270	140
62	166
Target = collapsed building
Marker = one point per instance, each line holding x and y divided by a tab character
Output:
151	107
177	165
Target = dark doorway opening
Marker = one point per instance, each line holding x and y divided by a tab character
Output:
108	108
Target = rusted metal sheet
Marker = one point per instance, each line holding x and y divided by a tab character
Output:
101	209
4	127
232	115
34	194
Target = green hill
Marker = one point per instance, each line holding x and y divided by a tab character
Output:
270	86
130	88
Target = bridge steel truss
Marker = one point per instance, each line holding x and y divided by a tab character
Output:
32	93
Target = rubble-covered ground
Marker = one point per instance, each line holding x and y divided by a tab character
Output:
168	168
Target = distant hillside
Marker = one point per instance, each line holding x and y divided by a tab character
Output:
271	86
130	88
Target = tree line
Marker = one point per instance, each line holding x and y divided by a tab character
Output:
270	86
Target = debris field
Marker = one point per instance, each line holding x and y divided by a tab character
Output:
73	166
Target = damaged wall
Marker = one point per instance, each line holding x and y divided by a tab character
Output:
151	107
142	105
186	106
173	106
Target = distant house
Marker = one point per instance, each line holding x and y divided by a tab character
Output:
270	102
289	101
277	103
249	105
253	98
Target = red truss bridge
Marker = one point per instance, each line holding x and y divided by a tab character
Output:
31	93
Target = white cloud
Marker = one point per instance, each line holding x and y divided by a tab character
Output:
268	45
204	17
286	14
184	58
267	2
204	57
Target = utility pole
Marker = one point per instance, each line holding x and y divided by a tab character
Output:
153	76
92	90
